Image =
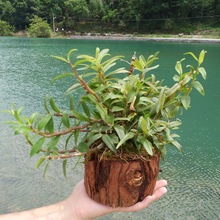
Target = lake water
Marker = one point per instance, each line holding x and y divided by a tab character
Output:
26	70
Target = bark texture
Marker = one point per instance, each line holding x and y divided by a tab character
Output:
118	183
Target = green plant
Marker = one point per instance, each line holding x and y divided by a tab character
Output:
5	29
39	28
122	110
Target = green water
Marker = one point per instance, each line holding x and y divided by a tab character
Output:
26	69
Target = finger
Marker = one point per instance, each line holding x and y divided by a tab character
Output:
160	190
159	184
157	194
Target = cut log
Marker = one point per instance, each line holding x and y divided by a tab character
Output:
119	183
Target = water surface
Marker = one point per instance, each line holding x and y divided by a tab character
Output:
193	176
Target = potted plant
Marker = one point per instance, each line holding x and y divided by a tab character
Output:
121	124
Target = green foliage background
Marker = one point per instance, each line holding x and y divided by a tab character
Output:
113	15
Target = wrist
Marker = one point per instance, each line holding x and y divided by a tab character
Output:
72	211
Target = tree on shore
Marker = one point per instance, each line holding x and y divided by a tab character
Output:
39	28
5	29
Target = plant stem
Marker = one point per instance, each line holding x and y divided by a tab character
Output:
64	156
58	133
83	83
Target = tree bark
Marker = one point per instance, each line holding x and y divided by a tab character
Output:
120	183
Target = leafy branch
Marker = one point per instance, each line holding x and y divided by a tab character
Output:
134	113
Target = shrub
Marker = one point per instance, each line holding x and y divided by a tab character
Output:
39	28
5	28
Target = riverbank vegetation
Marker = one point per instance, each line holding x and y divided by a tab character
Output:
68	17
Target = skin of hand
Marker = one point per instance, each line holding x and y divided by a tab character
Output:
81	202
78	206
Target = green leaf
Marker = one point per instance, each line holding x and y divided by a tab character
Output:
68	139
46	106
102	54
94	138
79	116
203	72
102	111
176	78
66	120
122	119
201	57
185	80
120	131
144	125
114	138
173	89
147	146
177	145
137	64
163	151
86	109
70	52
37	146
113	96
108	141
17	116
174	124
60	58
142	60
71	100
108	66
76	136
20	110
31	119
39	162
178	67
117	109
77	162
193	55
53	105
161	99
86	58
117	71
50	125
151	68
97	51
185	100
46	168
152	58
77	63
23	129
74	86
53	143
64	167
110	120
83	147
43	122
62	76
128	136
198	86
110	61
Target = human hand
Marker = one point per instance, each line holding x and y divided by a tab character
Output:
80	207
84	208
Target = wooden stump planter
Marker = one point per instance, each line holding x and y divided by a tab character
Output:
120	183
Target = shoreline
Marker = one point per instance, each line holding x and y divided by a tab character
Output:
195	39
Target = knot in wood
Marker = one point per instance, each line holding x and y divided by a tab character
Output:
136	178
